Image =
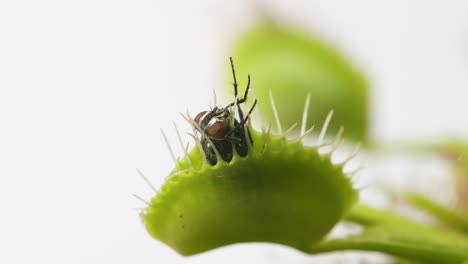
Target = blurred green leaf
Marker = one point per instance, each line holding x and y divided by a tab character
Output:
449	216
293	64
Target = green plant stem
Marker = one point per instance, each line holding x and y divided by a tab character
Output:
444	214
390	233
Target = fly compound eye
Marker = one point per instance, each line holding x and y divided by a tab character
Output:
218	130
199	116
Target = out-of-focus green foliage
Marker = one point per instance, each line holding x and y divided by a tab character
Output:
449	216
456	152
293	64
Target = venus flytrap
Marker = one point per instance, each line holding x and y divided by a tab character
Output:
281	192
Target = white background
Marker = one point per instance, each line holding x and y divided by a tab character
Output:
86	85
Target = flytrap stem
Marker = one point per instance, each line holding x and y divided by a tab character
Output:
393	234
